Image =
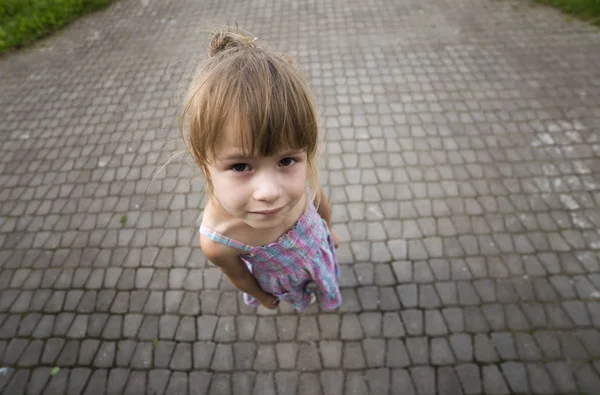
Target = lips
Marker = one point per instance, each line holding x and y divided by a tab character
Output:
269	212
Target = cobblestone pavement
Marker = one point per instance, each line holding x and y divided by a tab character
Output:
462	142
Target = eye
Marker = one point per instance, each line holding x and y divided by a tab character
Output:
287	162
240	167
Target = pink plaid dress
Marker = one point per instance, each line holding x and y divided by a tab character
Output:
285	267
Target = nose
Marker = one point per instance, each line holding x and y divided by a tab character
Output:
267	189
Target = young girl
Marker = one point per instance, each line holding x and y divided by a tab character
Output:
252	130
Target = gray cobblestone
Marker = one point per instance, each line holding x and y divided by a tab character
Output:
486	186
331	381
157	380
351	328
203	353
561	375
223	357
243	382
136	384
286	355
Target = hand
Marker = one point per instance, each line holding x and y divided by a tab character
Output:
269	301
336	241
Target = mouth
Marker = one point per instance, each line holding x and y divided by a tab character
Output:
269	213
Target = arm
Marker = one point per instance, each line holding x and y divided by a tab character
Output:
324	211
237	272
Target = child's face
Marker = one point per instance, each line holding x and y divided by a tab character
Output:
261	191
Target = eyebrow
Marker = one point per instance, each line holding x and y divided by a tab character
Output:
242	157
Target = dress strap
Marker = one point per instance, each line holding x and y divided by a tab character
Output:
219	238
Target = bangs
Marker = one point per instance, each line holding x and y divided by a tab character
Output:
268	105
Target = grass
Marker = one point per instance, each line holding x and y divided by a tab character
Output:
588	10
22	22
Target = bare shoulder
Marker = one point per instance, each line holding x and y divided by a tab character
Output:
217	253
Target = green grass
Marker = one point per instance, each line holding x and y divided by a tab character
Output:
22	22
588	10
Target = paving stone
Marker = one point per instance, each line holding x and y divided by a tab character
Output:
493	383
351	328
392	326
246	326
590	339
37	381
77	380
286	355
440	352
309	384
186	331
178	383
190	304
17	382
540	382
265	358
157	381
331	353
97	382
447	292
572	347
353	357
203	354
434	323
408	294
549	343
515	374
587	379
428	298
329	325
52	349
10	327
447	382
454	318
526	347
206	326
28	324
369	297
242	382
308	357
182	357
266	330
470	378
424	379
222	358
58	383
228	304
418	349
562	376
403	271
199	381
504	343
378	380
484	349
136	383
351	303
308	329
332	383
105	355
557	317
375	352
31	355
355	383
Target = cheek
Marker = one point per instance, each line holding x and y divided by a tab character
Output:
296	183
229	190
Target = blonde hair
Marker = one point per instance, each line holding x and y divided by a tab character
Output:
262	91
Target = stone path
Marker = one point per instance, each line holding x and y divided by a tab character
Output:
462	142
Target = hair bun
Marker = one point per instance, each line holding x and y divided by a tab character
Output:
226	39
